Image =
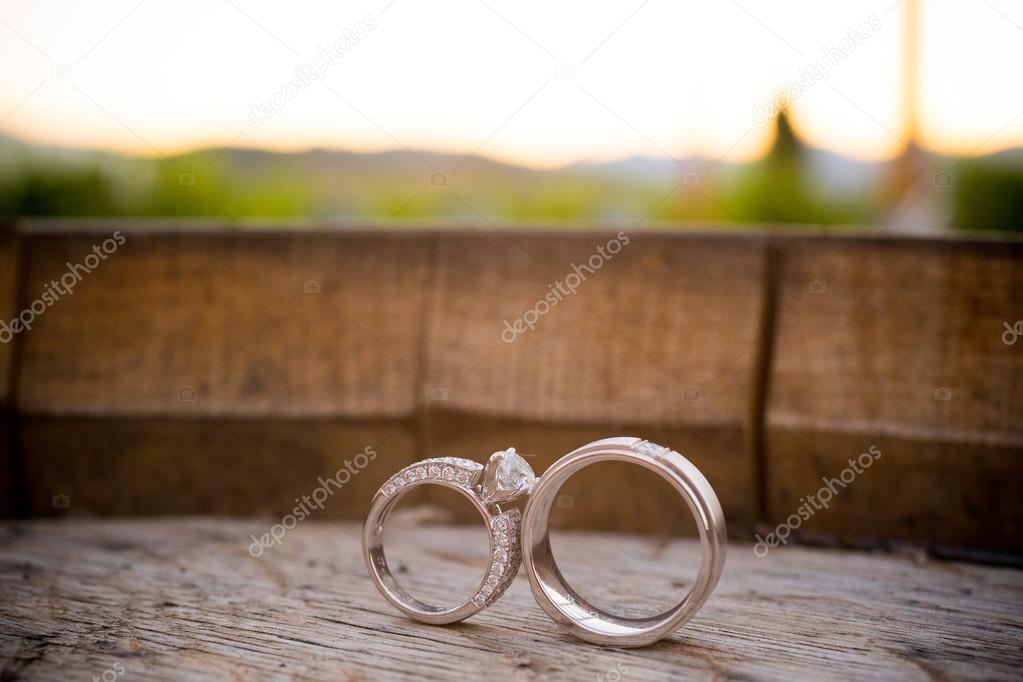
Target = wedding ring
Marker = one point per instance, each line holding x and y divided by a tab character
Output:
562	603
505	478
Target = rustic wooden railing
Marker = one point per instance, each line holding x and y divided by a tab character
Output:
204	369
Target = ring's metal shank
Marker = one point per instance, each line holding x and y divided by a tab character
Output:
562	603
502	529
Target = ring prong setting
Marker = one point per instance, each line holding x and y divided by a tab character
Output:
507	476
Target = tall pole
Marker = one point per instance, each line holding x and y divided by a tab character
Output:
907	166
911	72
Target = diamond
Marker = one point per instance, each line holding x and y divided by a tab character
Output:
506	477
448	473
487	590
501	555
463	476
420	472
434	471
652	449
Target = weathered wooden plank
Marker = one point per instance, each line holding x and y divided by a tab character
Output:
659	339
172	599
897	344
224	323
127	466
8	304
664	332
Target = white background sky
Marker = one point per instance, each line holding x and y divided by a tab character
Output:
675	77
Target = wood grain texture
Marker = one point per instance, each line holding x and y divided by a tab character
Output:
8	305
222	323
898	344
662	333
214	466
188	342
179	599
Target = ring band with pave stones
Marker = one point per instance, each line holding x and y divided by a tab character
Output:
505	478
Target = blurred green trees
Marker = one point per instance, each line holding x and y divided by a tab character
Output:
793	183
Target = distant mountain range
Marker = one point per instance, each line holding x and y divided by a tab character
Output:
812	185
839	172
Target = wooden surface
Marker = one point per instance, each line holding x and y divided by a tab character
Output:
8	286
229	324
188	352
240	365
213	466
898	346
184	599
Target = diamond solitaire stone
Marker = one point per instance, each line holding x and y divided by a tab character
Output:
506	477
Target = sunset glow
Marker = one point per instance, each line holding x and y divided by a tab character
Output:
535	83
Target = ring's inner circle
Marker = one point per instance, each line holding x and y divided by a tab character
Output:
624	539
426	560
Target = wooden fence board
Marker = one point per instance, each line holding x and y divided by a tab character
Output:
663	333
222	323
238	467
8	305
897	344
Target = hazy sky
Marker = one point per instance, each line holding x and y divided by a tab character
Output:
542	83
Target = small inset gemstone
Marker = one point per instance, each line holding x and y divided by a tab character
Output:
463	477
651	449
448	473
501	555
434	471
487	590
420	473
501	523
